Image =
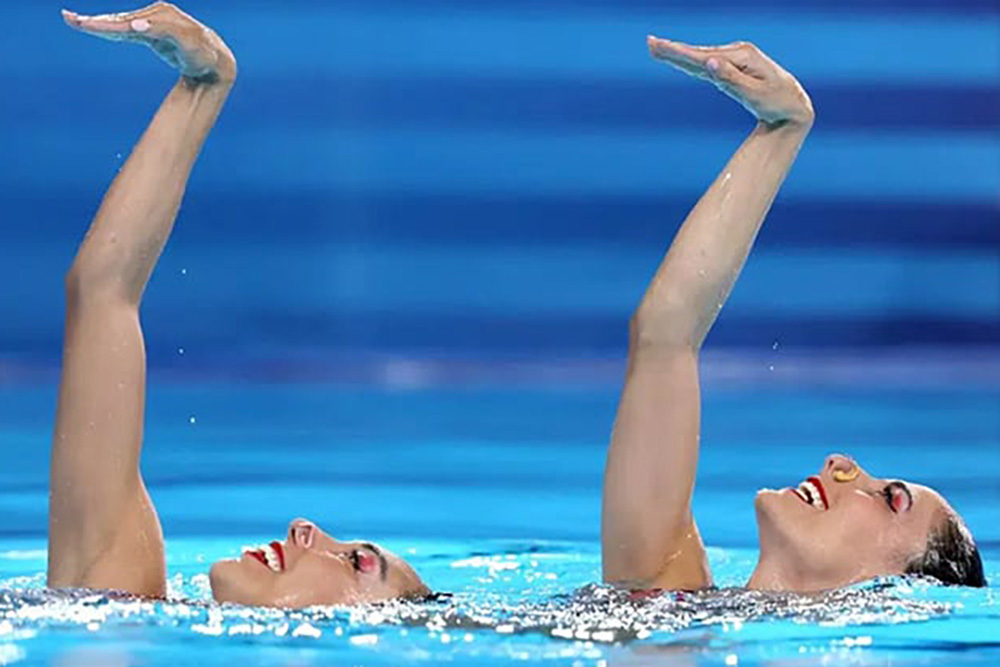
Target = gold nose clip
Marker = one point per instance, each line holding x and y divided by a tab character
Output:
846	476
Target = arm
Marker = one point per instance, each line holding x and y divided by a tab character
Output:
103	528
649	536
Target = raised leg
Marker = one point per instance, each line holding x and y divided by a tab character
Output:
103	528
649	536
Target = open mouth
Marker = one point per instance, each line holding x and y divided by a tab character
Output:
270	555
811	492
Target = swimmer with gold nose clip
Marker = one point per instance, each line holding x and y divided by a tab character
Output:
847	475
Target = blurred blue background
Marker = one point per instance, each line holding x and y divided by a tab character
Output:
397	296
500	178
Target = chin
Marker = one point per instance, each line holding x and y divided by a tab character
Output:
766	503
776	520
217	580
223	577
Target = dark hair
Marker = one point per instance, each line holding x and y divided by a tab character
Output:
434	597
951	556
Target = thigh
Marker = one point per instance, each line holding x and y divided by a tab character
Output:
100	516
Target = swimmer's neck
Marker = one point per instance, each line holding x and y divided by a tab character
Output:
769	579
773	575
769	575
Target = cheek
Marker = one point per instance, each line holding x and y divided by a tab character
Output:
861	527
315	581
862	515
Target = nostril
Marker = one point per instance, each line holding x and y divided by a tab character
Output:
839	462
304	534
843	468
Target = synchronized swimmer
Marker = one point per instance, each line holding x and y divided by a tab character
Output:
838	527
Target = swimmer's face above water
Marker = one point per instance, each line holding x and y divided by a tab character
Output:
842	526
311	568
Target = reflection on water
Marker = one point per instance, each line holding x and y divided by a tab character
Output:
487	520
595	613
593	625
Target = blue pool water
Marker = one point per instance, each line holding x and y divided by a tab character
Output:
492	490
395	303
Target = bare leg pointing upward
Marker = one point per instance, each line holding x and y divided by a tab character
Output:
103	528
649	536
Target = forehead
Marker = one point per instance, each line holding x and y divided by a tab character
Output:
402	573
399	573
928	504
397	566
926	495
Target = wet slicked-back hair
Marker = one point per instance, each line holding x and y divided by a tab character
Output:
951	556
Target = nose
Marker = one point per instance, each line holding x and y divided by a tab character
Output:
302	533
842	468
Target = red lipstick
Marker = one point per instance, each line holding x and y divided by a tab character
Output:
279	549
822	491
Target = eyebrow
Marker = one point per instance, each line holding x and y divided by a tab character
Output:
383	564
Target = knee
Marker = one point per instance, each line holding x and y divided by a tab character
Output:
92	279
660	328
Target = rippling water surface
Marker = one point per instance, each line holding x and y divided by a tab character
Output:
494	497
510	603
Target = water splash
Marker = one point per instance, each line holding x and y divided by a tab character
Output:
594	613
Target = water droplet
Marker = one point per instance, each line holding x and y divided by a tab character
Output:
770	368
118	156
180	351
775	346
192	420
184	272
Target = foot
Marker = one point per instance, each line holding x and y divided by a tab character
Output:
185	44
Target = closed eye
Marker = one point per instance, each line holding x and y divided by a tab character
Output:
362	559
897	496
